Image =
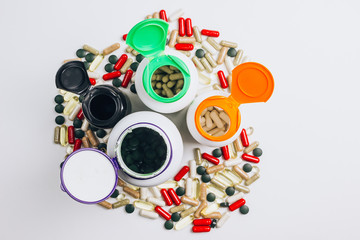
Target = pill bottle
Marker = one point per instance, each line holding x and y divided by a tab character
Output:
251	83
103	105
149	39
148	148
89	176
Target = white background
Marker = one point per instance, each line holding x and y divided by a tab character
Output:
309	129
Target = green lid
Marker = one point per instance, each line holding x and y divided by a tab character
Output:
148	37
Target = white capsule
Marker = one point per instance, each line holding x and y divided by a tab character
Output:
229	65
69	149
188	187
74	112
148	214
85	125
235	197
155	191
203	90
232	162
206	45
223	219
175	15
192	172
197	34
143	193
94	75
156	201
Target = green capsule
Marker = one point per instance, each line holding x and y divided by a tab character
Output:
79	133
210	197
59	108
81	53
129	208
109	67
230	191
100	133
59	99
169	225
77	123
89	57
216	153
113	59
247	167
244	209
175	216
59	120
116	82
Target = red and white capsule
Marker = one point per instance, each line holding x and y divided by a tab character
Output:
210	158
222	79
181	173
174	196
210	33
166	197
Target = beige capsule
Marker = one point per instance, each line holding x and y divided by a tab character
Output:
85	125
206	65
203	192
166	69
241	188
197	155
238	145
198	64
121	203
156	15
186	39
126	65
179	208
165	79
210	59
197	34
148	16
121	183
229	80
213	43
134	52
176	76
238	57
228	44
72	59
188	211
215	168
225	117
93	140
179	84
189	201
213	215
111	49
57	135
214	115
105	204
129	49
252	179
85	142
251	147
173	37
91	49
74	112
186	53
240	172
131	192
222	55
167	90
95	64
203	205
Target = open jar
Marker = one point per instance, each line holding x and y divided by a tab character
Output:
213	118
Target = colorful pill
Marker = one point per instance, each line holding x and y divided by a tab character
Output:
92	81
184	46
163	15
80	115
77	145
162	213
244	138
250	158
166	197
201	229
210	33
210	158
202	222
237	204
120	62
111	75
181	27
188	27
225	152
127	78
222	79
181	173
174	196
124	37
71	135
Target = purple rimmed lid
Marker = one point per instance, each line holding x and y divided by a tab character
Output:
73	175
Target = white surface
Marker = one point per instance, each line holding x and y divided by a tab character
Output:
309	129
89	176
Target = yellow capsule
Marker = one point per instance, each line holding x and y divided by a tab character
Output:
253	178
133	187
184	222
63	135
195	188
94	65
210	209
90	49
235	179
68	96
221	181
197	154
215	190
71	105
232	151
144	205
120	197
241	188
120	203
57	135
168	184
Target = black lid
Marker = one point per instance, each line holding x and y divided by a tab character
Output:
72	77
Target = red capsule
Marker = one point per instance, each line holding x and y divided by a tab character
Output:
181	173
184	46
181	27
237	204
166	197
222	79
120	62
202	222
127	78
174	196
162	14
210	158
124	37
71	134
201	228
77	144
210	33
188	27
244	138
111	75
225	152
80	115
92	81
250	158
162	213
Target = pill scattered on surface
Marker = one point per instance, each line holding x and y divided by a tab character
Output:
257	152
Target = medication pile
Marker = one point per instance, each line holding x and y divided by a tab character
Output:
209	188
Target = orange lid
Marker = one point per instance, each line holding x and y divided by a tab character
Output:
251	83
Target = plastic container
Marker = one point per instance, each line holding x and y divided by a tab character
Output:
168	132
149	38
103	105
252	82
